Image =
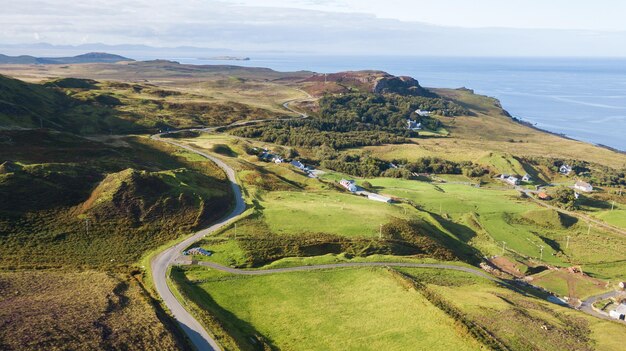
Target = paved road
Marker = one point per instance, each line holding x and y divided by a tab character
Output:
200	338
586	305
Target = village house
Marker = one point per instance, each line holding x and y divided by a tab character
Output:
349	184
277	159
583	186
619	312
565	169
413	125
298	165
422	113
526	178
512	180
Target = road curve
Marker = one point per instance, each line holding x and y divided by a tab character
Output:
587	305
199	337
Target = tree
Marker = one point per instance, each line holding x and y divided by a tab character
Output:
565	196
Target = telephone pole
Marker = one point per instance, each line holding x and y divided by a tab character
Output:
87	226
541	251
567	245
503	246
589	229
380	232
235	231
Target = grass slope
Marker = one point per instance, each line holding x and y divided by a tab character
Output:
348	309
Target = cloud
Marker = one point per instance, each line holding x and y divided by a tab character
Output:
212	23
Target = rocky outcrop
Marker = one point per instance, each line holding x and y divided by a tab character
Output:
402	85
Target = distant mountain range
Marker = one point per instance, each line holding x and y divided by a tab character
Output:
92	57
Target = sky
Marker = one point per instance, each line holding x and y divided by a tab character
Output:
418	27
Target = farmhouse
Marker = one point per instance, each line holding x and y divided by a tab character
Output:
298	165
413	125
377	197
619	312
565	169
277	159
422	113
583	186
349	184
512	180
526	178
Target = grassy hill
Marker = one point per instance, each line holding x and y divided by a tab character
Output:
87	107
76	217
96	204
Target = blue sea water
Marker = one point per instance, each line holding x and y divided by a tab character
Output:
584	99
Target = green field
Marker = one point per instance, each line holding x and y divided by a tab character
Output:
520	323
347	309
377	309
523	225
328	212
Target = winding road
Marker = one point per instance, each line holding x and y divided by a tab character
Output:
199	337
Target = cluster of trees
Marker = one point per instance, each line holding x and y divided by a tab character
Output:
305	133
354	120
361	166
565	196
388	111
368	166
437	165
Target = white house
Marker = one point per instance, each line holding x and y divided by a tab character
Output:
298	164
526	178
619	312
277	159
422	113
349	184
377	197
503	176
413	125
583	186
512	180
565	169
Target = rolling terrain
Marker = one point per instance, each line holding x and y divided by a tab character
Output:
90	201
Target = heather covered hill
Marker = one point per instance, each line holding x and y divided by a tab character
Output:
75	201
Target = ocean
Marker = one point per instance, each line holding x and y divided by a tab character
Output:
584	99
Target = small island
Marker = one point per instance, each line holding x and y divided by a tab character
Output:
225	58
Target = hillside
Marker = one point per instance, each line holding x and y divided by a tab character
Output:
76	217
92	57
86	106
132	197
88	198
